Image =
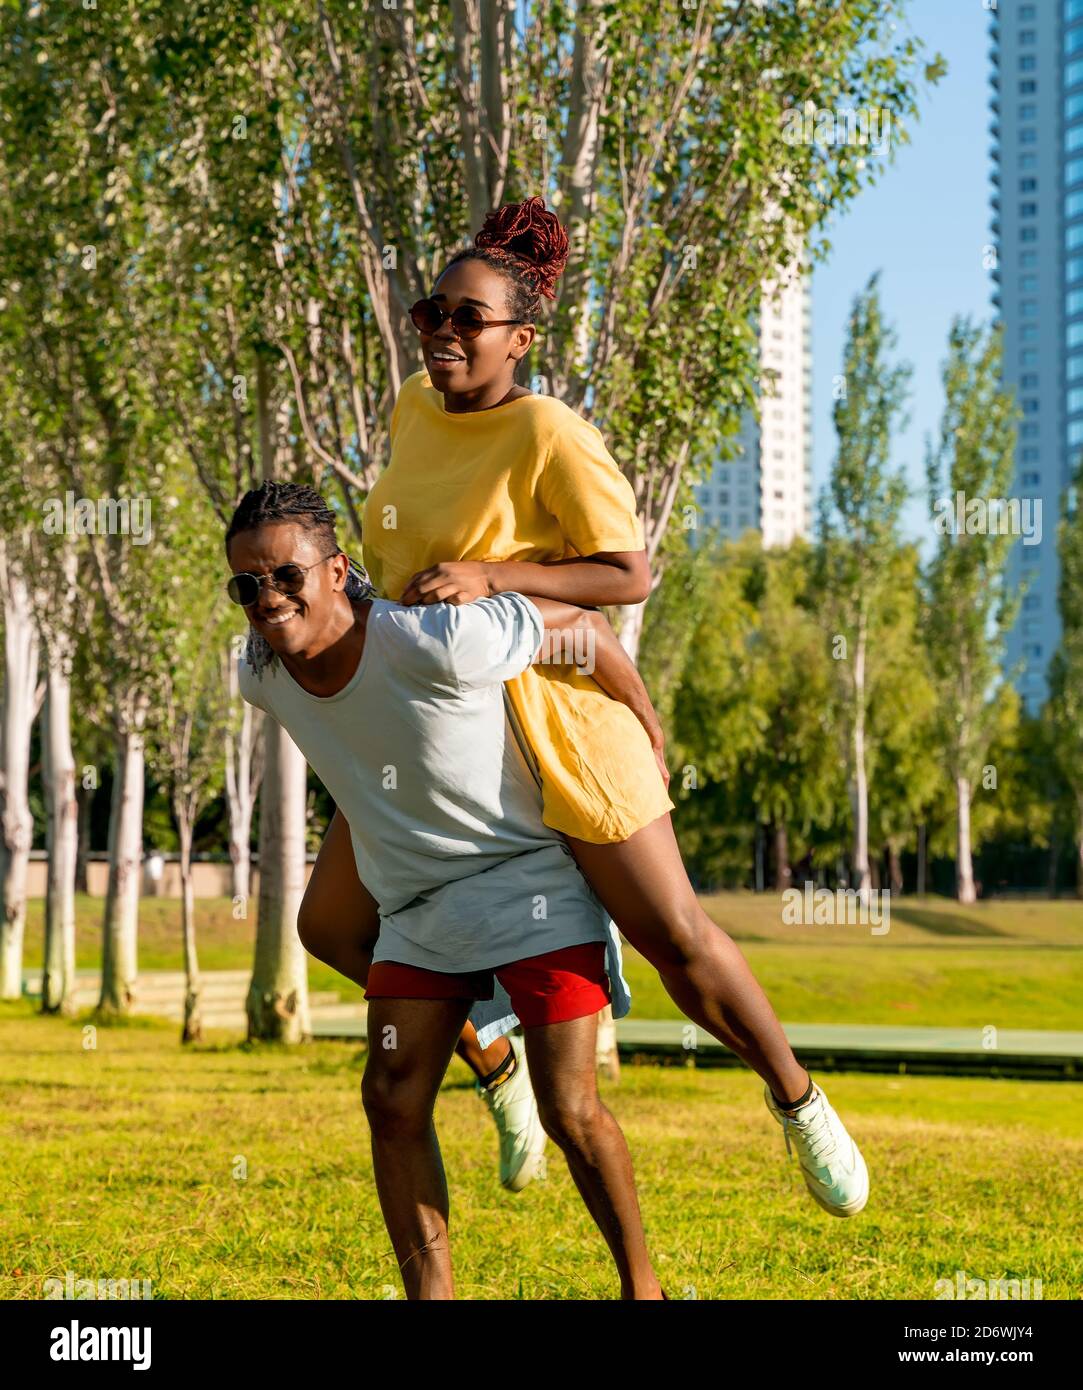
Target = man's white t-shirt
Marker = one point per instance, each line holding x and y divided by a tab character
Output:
444	810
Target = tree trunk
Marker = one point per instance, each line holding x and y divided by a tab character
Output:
193	985
242	783
16	821
1079	853
781	843
629	631
277	1004
859	787
630	618
760	852
923	838
1055	842
607	1057
894	869
278	995
61	837
964	867
121	919
84	800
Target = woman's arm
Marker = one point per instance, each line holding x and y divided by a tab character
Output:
622	576
584	638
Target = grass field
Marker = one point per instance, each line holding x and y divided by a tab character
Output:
1010	964
121	1161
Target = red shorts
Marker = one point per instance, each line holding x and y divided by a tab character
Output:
550	988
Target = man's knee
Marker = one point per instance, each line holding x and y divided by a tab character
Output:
571	1118
391	1105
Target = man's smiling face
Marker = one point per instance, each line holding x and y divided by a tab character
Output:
293	624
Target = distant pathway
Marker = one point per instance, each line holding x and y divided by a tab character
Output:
850	1047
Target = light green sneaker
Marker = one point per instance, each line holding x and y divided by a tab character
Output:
515	1111
831	1162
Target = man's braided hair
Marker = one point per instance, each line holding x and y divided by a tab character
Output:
291	502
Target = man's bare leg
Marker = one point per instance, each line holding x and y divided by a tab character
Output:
410	1045
564	1071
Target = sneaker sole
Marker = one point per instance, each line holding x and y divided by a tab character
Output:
526	1172
850	1208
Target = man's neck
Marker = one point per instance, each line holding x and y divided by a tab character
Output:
330	669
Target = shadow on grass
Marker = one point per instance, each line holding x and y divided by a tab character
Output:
945	923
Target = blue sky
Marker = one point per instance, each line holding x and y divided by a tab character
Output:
923	225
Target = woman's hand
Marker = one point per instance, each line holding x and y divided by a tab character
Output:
454	581
658	743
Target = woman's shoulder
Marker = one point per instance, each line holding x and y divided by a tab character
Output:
416	381
557	415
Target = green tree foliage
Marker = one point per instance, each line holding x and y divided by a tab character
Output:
968	608
1065	712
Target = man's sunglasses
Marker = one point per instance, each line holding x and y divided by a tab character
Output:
287	579
466	322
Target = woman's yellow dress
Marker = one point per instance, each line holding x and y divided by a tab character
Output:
527	480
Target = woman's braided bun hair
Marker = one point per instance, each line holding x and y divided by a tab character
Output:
527	245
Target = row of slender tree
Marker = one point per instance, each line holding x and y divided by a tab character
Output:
853	691
213	220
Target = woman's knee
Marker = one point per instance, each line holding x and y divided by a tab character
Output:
309	927
673	939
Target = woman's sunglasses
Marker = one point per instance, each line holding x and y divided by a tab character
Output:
466	321
287	579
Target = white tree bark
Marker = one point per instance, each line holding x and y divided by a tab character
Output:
121	920
244	771
630	617
277	1003
16	823
964	865
587	83
193	984
278	995
61	839
859	785
630	630
56	607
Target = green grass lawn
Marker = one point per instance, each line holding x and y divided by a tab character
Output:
121	1161
1014	965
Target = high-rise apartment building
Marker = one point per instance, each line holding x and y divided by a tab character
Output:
1037	128
768	486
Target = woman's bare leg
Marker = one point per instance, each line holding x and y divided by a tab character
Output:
339	921
411	1041
564	1071
643	885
